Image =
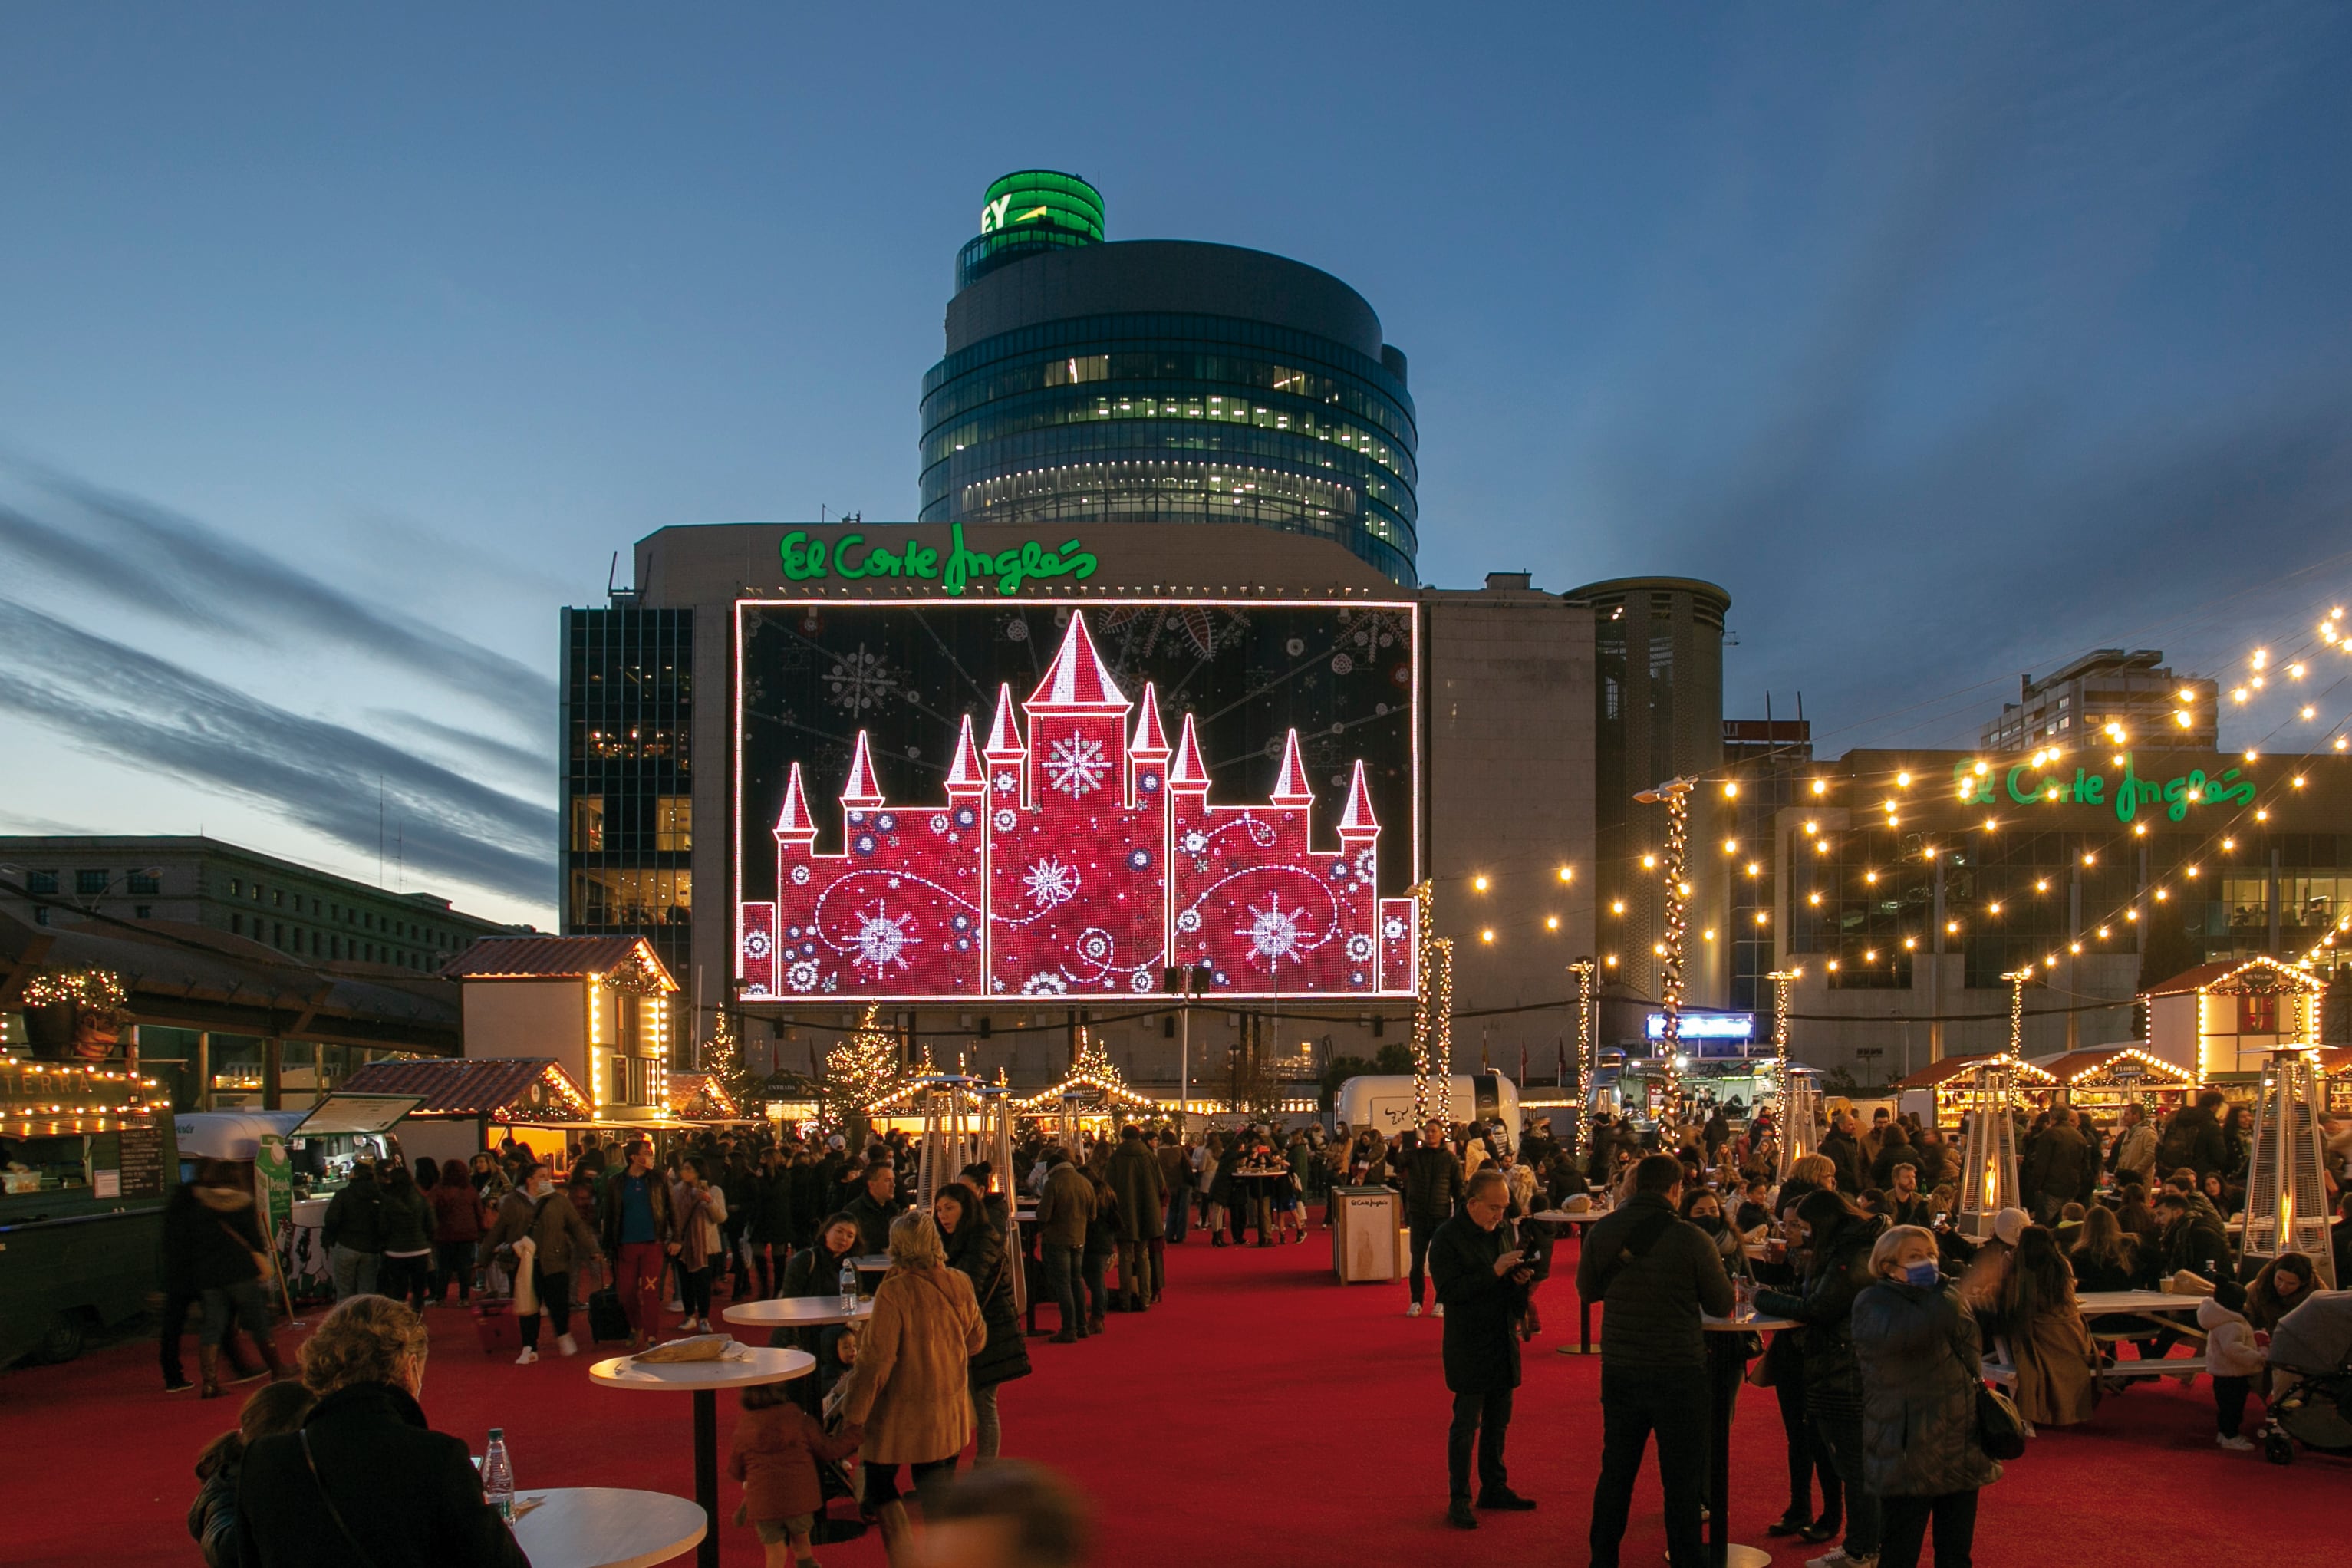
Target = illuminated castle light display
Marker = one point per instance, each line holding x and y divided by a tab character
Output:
1082	857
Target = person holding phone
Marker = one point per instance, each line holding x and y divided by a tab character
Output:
1483	1279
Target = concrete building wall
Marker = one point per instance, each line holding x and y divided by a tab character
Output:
1509	724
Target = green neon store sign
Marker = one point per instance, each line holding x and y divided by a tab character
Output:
850	559
2130	792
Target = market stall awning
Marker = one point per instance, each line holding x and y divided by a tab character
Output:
346	1113
700	1097
2105	1066
1939	1075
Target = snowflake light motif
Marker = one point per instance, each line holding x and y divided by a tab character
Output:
1075	765
1359	947
1194	841
882	940
1274	932
755	943
801	976
1050	883
1393	929
861	682
800	876
1045	983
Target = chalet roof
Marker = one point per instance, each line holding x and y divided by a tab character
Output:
1937	1073
2189	981
467	1086
2072	1066
554	958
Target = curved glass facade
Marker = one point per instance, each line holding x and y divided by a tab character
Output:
1171	417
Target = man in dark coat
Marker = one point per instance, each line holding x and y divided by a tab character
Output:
1843	1148
1176	1178
353	1234
2062	1169
1140	1194
1655	1274
1481	1276
1433	1186
876	1208
2193	1139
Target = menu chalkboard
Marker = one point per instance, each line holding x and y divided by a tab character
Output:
141	1160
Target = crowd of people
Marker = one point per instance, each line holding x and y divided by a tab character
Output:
1894	1308
1857	1245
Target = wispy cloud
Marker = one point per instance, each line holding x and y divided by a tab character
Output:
131	552
116	702
521	761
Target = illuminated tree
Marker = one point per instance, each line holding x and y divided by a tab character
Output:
858	1072
722	1059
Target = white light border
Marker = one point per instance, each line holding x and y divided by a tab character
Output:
1411	609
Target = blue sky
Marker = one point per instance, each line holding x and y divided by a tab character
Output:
340	348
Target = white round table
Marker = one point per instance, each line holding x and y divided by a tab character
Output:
607	1527
799	1311
872	1263
704	1379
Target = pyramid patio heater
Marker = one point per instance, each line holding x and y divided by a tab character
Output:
2286	1187
1988	1157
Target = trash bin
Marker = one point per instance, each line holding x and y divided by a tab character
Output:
1366	1224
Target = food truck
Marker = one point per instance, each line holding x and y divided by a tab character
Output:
87	1159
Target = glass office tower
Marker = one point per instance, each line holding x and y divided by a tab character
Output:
1162	381
628	804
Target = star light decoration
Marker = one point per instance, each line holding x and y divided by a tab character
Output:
1080	856
860	1073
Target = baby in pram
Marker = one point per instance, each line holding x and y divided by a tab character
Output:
2310	1359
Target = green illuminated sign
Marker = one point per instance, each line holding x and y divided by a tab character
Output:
2174	795
851	558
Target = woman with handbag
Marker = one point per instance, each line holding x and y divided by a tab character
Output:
973	1234
1925	1444
364	1481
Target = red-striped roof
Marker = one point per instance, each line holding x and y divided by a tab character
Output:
468	1085
554	958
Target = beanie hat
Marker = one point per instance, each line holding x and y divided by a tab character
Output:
2010	1224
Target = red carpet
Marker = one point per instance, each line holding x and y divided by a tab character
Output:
1264	1414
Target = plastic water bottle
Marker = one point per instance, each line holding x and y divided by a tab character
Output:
848	1288
497	1475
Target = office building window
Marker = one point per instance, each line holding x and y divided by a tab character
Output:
623	897
87	882
143	911
674	823
146	881
40	881
41	915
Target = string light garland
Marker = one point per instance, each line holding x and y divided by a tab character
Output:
1674	794
1433	1007
1584	969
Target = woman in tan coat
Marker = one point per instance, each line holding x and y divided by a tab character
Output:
909	1390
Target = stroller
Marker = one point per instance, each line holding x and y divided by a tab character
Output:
2311	1379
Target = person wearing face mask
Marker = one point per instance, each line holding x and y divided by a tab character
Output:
1840	1238
1705	1210
548	1239
1920	1361
363	1478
